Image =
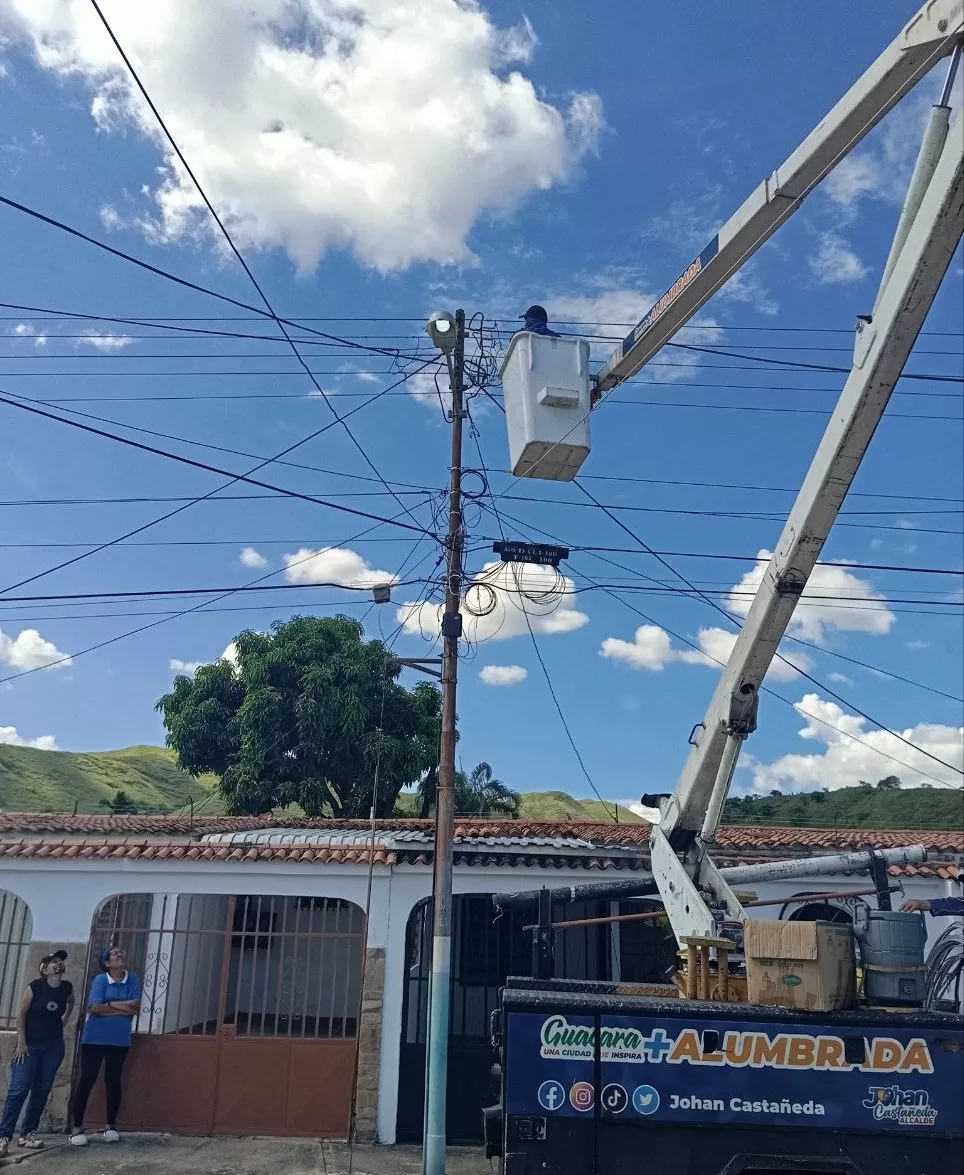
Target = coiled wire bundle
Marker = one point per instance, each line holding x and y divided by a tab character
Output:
945	969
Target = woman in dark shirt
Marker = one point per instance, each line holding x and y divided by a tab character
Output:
45	1007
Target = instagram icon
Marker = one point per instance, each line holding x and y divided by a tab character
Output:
581	1096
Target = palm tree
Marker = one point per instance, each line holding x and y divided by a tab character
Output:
477	794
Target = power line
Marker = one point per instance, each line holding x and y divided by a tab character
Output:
234	479
429	489
212	468
764	688
716	607
297	542
703	350
241	261
140	594
828	652
182	281
147	319
349	346
70	657
634	403
535	645
355	372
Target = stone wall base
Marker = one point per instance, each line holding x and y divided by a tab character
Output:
370	1045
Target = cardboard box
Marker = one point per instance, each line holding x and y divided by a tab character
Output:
806	965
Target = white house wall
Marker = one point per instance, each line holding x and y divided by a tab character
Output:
63	897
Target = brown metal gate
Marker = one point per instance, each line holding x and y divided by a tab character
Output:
249	1019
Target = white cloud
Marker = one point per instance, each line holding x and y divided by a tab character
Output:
230	654
433	395
503	674
834	262
29	650
861	609
26	331
650	814
917	646
497	587
104	342
384	128
188	667
840	678
10	738
844	762
249	557
338	565
651	648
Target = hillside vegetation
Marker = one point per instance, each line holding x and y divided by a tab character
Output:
57	781
854	807
60	781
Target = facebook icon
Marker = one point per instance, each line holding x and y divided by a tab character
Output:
551	1095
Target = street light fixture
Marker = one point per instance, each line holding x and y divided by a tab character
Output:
441	329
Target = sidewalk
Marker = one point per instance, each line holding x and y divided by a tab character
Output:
164	1154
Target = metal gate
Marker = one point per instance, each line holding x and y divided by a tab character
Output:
249	1018
15	930
485	951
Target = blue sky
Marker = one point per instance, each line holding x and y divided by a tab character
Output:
378	163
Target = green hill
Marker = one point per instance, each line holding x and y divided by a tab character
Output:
545	805
885	805
59	781
56	781
557	805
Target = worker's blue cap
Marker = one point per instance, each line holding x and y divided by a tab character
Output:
535	312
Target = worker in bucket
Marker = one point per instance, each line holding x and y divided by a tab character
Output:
536	321
939	907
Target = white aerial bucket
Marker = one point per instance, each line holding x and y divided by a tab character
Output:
546	386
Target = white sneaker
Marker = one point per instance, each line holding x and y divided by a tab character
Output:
78	1139
111	1136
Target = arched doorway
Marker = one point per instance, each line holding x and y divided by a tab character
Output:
486	949
249	1018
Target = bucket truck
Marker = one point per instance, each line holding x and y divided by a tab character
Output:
599	1079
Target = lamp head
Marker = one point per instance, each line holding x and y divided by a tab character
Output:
441	330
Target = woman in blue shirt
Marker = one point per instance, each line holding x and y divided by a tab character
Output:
115	999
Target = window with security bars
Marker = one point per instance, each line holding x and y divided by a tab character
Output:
15	929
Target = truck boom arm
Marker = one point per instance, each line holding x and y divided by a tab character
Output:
883	345
930	35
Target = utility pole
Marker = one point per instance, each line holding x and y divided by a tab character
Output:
450	338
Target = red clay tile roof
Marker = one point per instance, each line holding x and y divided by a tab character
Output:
176	838
730	836
836	839
42	822
153	851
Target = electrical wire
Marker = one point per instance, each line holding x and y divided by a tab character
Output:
730	620
70	657
945	968
240	259
213	468
764	688
182	281
614	813
147	319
